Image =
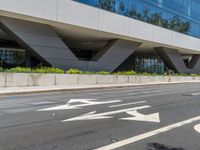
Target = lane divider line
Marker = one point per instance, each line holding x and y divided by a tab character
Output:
148	134
197	128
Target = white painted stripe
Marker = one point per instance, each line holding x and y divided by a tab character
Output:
197	128
42	103
148	134
194	94
132	93
127	104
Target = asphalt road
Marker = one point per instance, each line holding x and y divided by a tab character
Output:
159	117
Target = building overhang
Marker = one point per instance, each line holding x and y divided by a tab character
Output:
92	25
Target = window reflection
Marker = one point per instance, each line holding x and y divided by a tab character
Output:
149	64
178	15
11	57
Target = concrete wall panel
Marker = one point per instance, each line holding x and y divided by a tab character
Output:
66	79
78	14
17	79
2	79
179	39
105	79
161	35
110	22
141	30
119	79
38	8
87	79
36	79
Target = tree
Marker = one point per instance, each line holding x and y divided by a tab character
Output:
121	7
175	23
156	19
145	16
132	12
107	5
185	27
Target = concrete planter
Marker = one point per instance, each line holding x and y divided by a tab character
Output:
2	79
36	79
17	79
41	79
119	79
66	79
87	79
105	79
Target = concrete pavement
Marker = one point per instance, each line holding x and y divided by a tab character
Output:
161	117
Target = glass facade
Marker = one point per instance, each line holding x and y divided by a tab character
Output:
11	57
177	15
148	64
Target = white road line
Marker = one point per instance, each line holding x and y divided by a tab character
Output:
194	94
197	128
148	134
133	93
113	106
42	103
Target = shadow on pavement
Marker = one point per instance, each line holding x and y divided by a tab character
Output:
157	146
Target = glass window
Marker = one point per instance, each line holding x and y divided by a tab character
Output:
12	57
178	15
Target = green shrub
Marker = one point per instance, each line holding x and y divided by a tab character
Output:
194	75
36	70
1	69
103	73
155	74
19	70
88	72
146	74
74	71
125	73
181	74
48	70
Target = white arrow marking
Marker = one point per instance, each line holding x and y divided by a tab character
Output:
197	128
140	117
86	102
92	116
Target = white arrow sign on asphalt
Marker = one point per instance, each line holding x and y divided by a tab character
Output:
86	102
104	115
197	128
141	117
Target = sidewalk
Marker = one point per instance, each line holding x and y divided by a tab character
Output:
38	89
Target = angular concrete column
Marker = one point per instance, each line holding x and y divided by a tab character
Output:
40	40
115	53
173	60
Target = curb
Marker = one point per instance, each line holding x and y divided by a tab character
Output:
56	89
